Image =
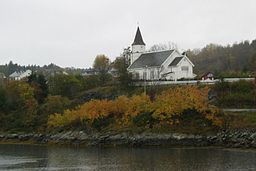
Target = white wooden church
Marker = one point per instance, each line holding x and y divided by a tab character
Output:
160	65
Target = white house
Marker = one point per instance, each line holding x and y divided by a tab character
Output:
20	75
165	65
2	76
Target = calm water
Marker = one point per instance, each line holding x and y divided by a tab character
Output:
34	157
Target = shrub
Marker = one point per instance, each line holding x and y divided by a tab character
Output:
145	120
140	110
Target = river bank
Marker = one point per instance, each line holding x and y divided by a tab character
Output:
244	138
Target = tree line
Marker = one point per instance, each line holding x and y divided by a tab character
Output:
232	60
238	59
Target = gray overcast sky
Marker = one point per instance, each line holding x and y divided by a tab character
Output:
73	32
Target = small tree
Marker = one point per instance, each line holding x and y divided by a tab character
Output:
252	63
123	76
161	46
39	84
102	65
21	105
64	85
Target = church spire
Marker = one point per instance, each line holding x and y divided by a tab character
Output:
138	38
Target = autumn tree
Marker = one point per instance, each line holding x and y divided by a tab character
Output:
21	105
173	102
51	105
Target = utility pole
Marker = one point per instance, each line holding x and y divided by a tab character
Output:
145	77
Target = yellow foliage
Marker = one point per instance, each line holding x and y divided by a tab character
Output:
138	104
59	120
175	100
120	105
132	107
169	103
95	109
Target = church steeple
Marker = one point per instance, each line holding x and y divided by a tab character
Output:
138	38
138	46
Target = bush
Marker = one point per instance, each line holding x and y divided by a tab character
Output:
145	120
140	110
193	118
236	94
101	123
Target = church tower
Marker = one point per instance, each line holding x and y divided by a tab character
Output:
138	46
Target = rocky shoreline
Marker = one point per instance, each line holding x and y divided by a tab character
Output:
225	138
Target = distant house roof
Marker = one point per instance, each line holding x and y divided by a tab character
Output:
151	59
89	71
208	75
21	74
138	38
2	75
15	74
176	61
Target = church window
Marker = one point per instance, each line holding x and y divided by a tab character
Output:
137	76
144	75
152	74
184	68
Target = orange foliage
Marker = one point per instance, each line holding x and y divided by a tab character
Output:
174	101
169	103
94	109
123	108
131	107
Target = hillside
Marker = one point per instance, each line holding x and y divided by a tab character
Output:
46	70
225	60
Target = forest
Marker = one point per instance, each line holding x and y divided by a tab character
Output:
237	60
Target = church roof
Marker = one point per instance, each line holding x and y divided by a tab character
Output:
176	61
151	59
138	38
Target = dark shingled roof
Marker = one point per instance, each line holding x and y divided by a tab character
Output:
151	59
176	61
138	38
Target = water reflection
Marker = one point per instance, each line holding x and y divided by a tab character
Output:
33	157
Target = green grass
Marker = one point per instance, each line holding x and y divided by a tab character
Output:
241	119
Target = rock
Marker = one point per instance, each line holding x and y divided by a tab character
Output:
12	136
253	136
2	136
24	137
227	138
